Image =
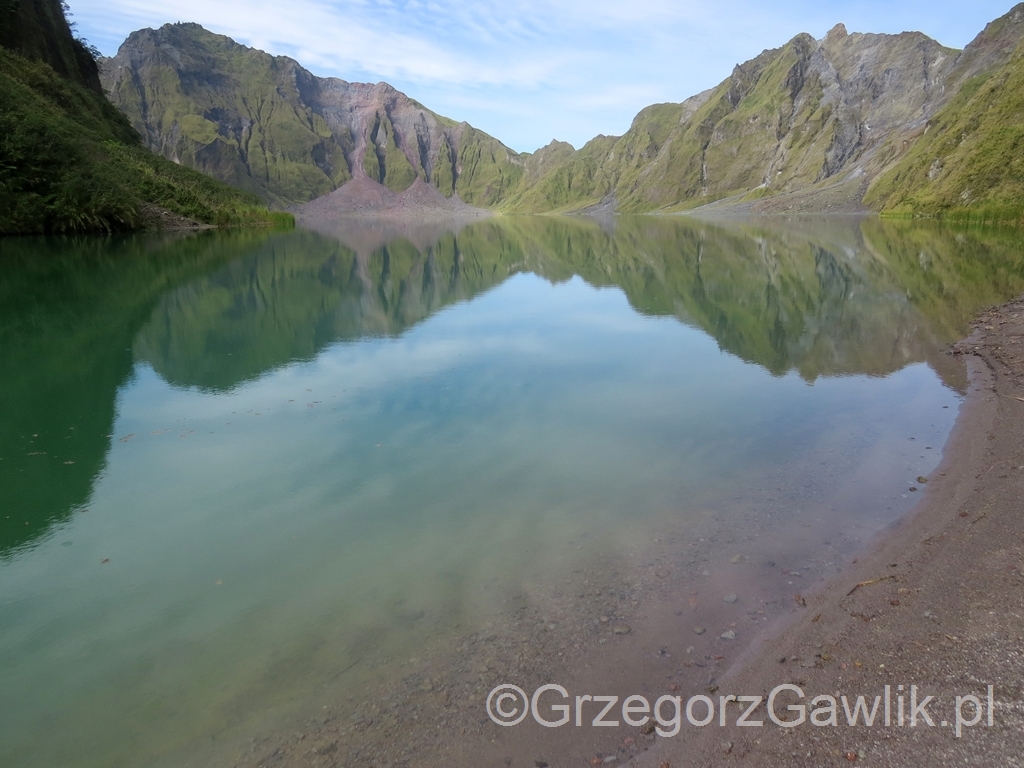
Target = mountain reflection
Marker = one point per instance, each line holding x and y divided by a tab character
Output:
821	298
212	311
299	292
69	310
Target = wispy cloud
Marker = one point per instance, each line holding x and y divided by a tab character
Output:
525	70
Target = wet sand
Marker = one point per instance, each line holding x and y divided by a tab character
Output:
936	602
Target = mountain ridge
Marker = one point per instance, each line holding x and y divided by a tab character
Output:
270	126
813	125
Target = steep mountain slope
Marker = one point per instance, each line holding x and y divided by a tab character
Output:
969	159
795	128
265	124
40	32
805	114
69	161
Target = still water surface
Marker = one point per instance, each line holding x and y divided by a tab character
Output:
242	474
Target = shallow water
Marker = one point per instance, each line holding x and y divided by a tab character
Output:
244	473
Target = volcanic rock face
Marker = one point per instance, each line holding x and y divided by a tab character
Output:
788	119
967	160
264	123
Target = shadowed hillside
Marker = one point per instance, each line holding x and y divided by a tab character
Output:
69	161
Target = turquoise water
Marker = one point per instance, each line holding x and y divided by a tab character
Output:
236	466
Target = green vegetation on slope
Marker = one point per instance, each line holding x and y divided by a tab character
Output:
384	162
487	171
969	162
559	179
39	30
69	162
232	112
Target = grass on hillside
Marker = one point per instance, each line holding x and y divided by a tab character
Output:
968	166
70	162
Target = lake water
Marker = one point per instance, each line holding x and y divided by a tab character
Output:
250	478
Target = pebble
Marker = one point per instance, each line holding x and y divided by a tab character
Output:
922	479
622	629
540	764
698	630
737	559
728	635
730	599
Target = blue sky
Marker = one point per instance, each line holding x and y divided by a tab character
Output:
528	71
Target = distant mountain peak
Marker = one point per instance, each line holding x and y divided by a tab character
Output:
837	32
266	124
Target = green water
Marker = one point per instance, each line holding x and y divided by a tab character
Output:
233	466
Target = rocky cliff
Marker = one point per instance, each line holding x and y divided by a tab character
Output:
265	124
967	160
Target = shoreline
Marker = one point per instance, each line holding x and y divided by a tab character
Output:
933	602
